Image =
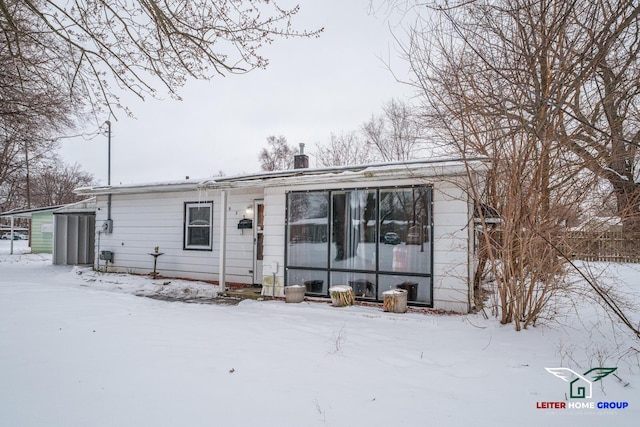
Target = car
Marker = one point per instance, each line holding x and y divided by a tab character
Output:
391	238
413	236
7	236
413	239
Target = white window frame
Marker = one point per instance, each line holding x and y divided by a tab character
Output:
187	226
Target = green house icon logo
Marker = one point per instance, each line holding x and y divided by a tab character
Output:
580	386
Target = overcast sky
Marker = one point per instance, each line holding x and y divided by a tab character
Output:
311	88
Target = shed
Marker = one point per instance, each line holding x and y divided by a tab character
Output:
373	227
74	227
41	228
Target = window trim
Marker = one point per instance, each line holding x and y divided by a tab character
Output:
185	227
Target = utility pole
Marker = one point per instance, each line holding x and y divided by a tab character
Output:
108	223
26	159
108	123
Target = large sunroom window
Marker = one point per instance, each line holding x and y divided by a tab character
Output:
372	239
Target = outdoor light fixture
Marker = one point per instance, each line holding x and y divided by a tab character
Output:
248	213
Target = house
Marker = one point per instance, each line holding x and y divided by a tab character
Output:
315	227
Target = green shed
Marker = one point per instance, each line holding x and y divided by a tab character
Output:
42	232
41	229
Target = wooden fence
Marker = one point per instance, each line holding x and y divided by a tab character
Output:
611	246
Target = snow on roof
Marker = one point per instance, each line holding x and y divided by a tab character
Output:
137	188
26	213
83	206
409	168
405	165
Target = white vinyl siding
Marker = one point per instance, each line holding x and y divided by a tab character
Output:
451	270
145	220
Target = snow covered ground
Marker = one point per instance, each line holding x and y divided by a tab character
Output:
79	348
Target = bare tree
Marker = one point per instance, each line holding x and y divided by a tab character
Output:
49	182
82	49
548	90
60	61
576	64
32	107
344	149
21	151
279	155
393	135
54	183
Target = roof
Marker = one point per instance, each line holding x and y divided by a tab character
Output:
410	169
87	206
405	165
27	213
489	213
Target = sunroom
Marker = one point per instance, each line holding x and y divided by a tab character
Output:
372	239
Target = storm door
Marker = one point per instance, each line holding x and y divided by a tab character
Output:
258	241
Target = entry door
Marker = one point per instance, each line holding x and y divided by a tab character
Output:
258	241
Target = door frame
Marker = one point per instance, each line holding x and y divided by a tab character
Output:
258	239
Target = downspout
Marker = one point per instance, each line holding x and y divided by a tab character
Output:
11	237
54	251
471	253
96	256
223	241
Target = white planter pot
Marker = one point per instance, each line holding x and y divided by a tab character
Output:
395	300
294	293
341	295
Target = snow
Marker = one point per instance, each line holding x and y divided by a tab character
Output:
340	288
394	292
79	348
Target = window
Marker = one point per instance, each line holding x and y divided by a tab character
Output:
197	225
371	239
353	223
307	242
404	212
307	228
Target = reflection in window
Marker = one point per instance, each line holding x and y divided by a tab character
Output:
418	288
307	229
405	230
363	284
370	239
314	280
353	232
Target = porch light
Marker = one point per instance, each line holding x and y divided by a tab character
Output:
248	213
